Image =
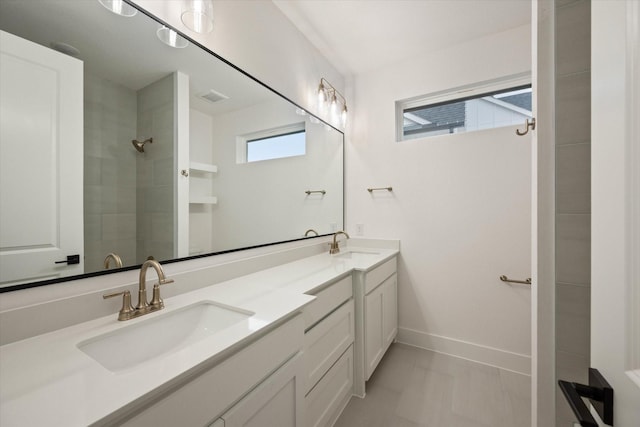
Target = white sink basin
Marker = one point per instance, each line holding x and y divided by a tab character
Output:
356	255
157	336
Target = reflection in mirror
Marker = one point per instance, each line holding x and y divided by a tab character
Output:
115	142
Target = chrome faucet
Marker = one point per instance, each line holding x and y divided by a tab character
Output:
335	248
143	307
116	259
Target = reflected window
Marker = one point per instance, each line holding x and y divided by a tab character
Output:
277	143
276	147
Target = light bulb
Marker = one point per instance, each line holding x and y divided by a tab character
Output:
343	116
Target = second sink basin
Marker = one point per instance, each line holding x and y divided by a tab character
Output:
356	255
135	344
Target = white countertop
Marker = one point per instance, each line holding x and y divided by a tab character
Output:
47	380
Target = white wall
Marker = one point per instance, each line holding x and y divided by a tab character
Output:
460	205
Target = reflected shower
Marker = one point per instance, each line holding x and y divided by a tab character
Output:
140	145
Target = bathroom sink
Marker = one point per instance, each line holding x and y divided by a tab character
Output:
357	255
160	335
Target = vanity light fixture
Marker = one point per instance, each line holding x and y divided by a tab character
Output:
197	15
171	38
119	7
328	93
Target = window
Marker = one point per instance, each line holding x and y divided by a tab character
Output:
275	147
287	141
484	107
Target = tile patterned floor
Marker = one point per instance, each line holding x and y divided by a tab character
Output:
413	387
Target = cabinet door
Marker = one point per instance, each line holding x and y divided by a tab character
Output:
277	401
390	310
373	342
380	322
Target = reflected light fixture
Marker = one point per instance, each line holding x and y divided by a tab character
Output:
328	93
171	38
119	7
197	15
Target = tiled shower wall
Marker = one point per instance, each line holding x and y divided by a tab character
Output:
109	171
155	219
573	196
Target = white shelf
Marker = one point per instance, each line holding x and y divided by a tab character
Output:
204	200
203	167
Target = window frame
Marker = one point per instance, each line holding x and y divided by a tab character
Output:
457	94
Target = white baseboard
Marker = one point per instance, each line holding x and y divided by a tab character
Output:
515	362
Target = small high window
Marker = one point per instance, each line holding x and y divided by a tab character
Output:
484	107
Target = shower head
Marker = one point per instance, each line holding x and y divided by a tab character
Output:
140	145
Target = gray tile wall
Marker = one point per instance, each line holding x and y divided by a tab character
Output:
109	172
155	171
573	196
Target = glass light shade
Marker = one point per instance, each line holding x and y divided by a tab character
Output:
198	16
333	107
321	94
343	116
171	38
119	7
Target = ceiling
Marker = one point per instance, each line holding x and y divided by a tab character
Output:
357	36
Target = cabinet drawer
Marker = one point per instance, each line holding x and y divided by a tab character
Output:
376	276
326	301
277	401
332	392
325	342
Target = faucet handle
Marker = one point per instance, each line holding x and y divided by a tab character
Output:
127	310
156	301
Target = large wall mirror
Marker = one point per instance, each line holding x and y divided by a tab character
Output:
120	136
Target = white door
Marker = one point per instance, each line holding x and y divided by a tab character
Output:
615	189
41	162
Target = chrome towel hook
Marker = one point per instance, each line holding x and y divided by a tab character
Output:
528	125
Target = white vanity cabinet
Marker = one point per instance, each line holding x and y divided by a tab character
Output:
328	352
376	297
258	383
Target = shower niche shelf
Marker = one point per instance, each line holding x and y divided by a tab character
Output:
200	172
203	200
203	167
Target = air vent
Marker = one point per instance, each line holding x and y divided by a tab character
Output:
213	96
